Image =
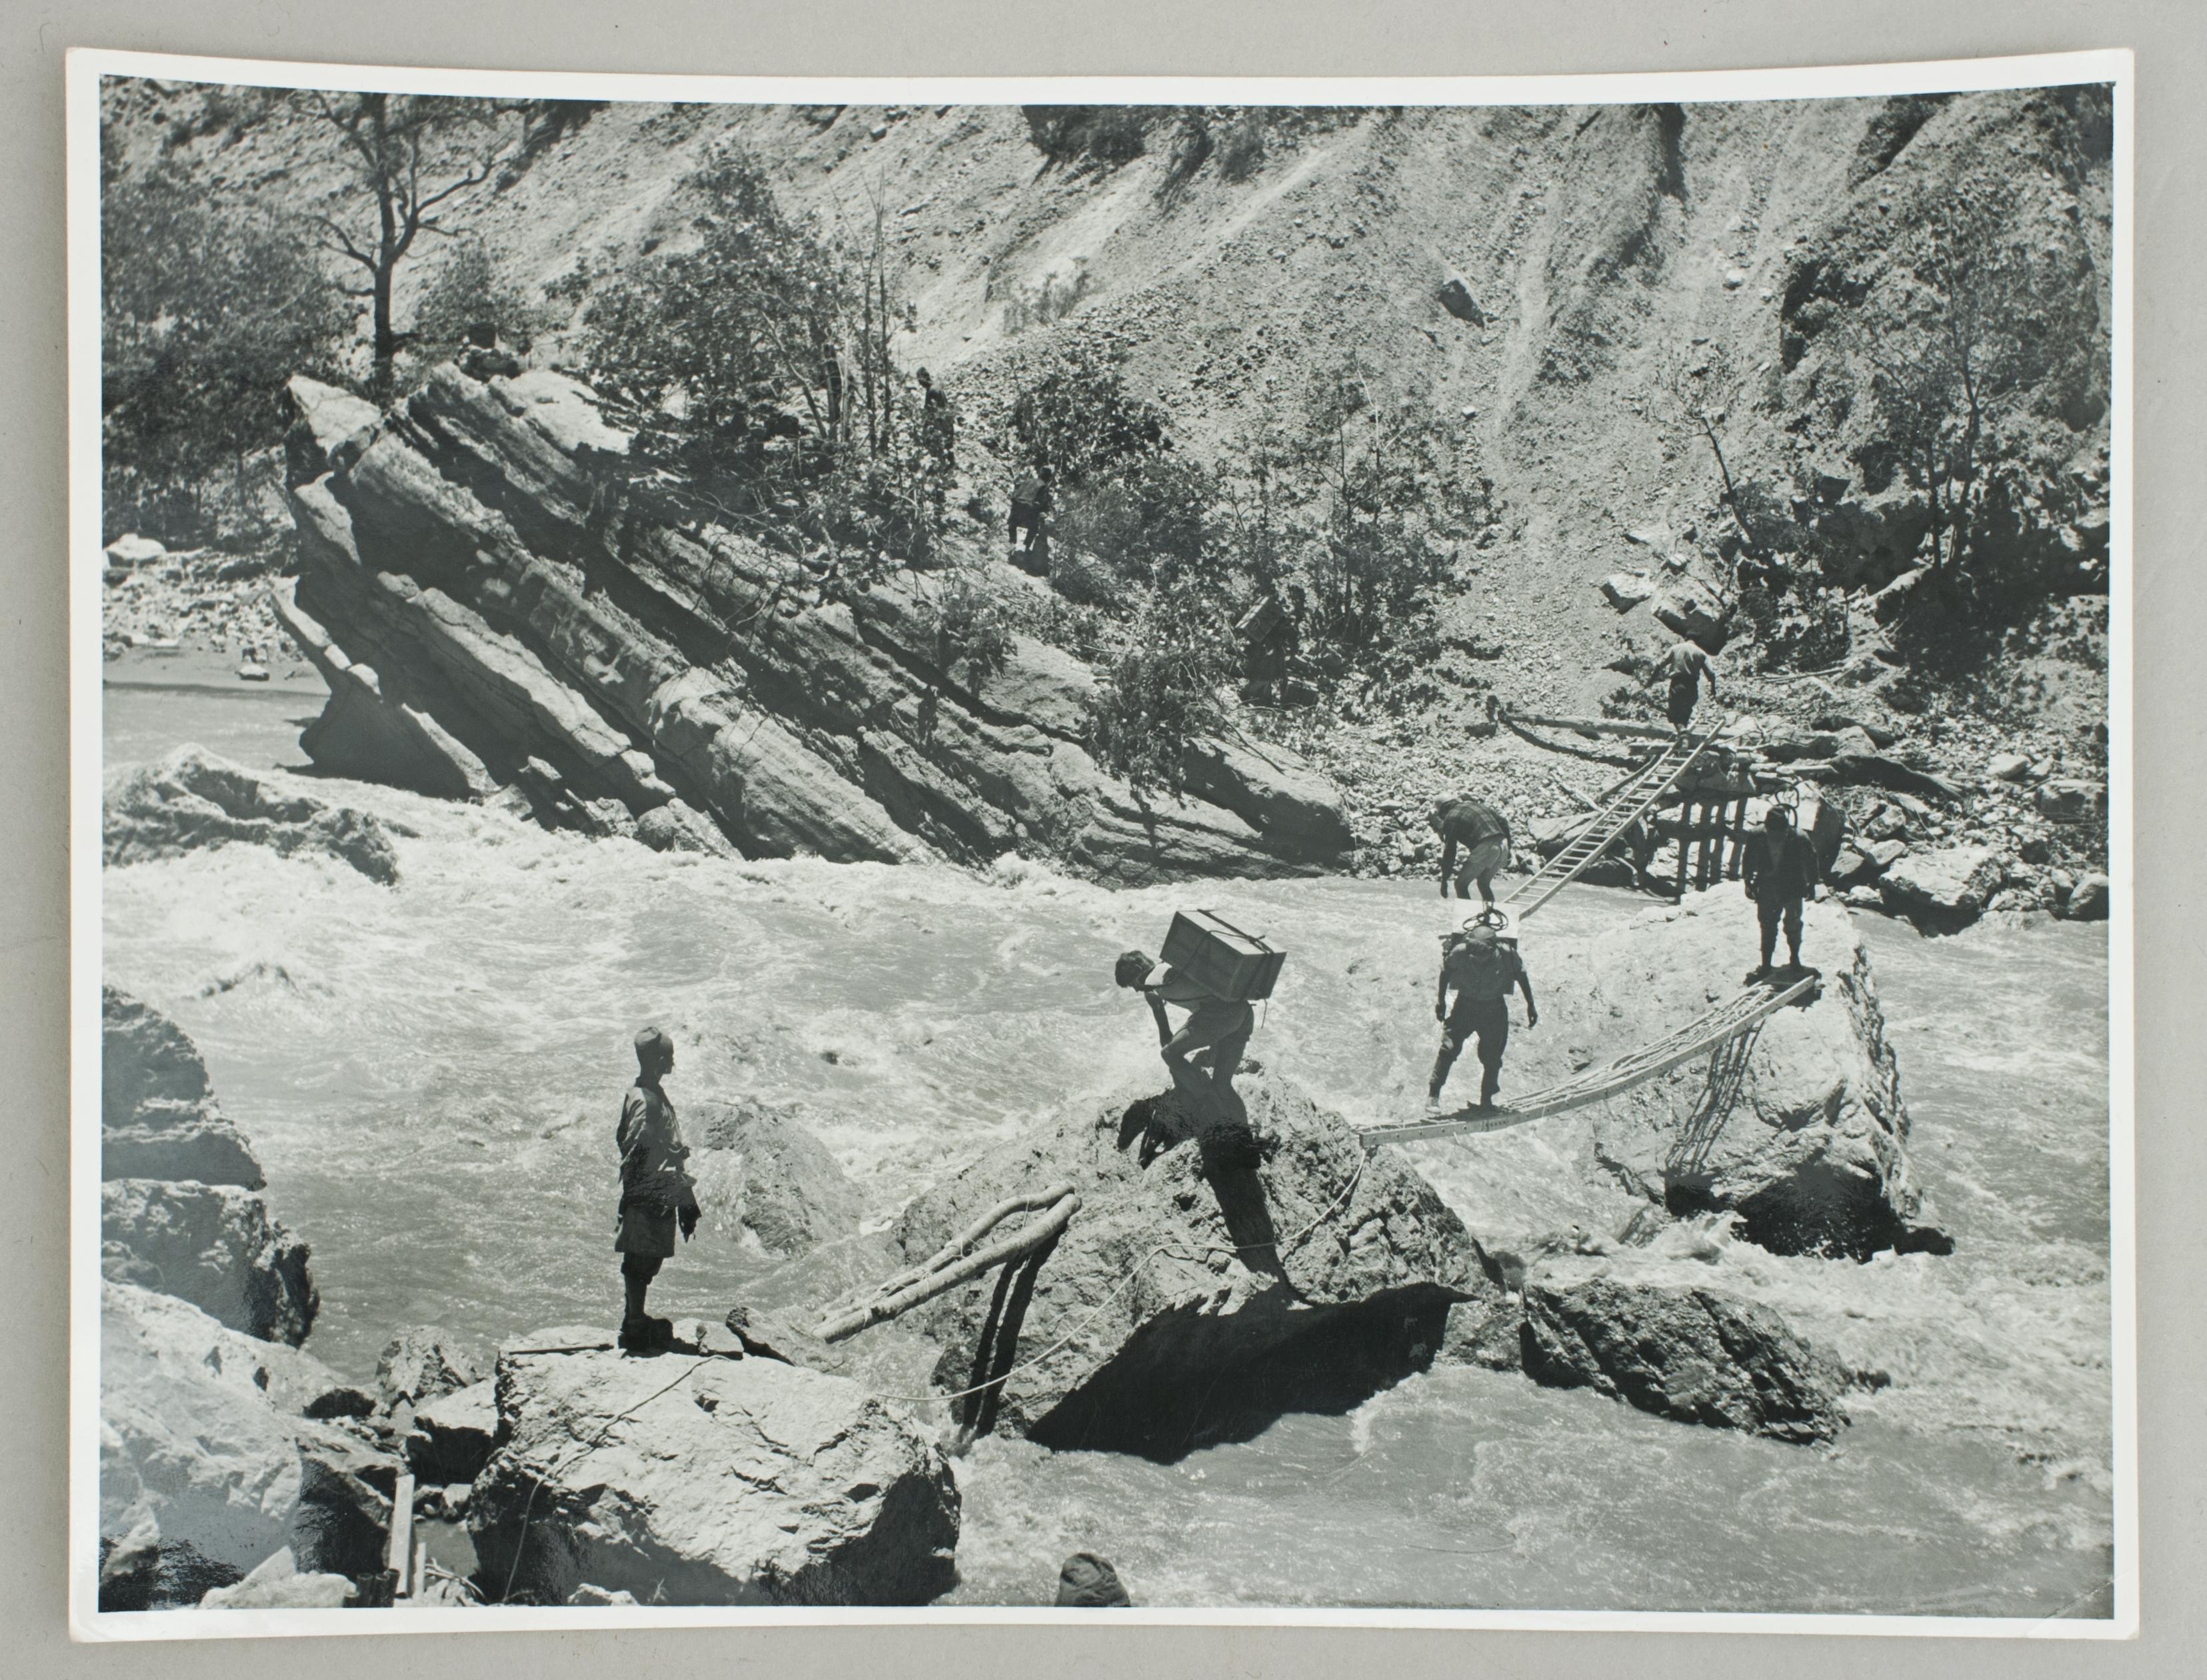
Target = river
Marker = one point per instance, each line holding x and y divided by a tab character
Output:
430	1074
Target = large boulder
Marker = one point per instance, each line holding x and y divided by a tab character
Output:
213	1245
494	608
1204	1287
192	799
453	1434
1808	1145
2088	899
781	1183
278	1583
191	1435
158	1115
696	1478
1943	886
1694	1355
422	1363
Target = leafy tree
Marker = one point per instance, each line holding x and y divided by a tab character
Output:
207	308
1161	694
409	154
1391	493
1987	328
759	363
466	295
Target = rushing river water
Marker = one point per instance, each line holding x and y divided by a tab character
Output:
430	1075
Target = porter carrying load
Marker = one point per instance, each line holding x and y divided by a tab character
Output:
1214	970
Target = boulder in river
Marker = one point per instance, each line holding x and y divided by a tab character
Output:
1204	1287
697	1478
1945	888
159	1118
1807	1141
192	800
1694	1355
489	594
791	1192
2088	899
213	1245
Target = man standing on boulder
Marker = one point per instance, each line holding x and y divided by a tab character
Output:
1484	969
1779	870
656	1194
1483	831
1686	665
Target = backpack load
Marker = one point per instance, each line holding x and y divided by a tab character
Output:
1220	957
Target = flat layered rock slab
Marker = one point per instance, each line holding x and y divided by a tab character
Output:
695	1477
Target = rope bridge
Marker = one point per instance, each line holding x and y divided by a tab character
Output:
1742	1012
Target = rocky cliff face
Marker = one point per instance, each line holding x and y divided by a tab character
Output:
492	613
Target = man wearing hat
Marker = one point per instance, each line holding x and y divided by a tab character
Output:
1483	968
656	1195
1779	870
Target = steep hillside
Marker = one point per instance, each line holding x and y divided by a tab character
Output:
1589	256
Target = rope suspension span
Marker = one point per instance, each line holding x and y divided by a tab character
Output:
1738	1013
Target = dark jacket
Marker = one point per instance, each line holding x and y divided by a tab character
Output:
1781	872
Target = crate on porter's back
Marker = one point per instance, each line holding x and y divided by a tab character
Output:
1221	958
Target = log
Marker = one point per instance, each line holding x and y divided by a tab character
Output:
1644	732
400	1559
890	1306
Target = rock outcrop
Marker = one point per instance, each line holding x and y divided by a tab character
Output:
192	799
693	1478
202	1435
278	1583
494	606
423	1363
453	1434
1942	889
1808	1144
199	1230
1204	1287
213	1245
1694	1355
159	1118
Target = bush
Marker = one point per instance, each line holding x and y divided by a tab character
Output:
207	309
1160	694
467	296
759	365
1104	136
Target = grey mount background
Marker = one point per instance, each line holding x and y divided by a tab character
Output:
1124	37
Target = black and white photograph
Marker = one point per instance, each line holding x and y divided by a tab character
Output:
1171	850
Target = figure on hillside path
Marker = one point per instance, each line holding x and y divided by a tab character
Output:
1779	870
1483	968
938	434
1032	502
1687	665
1212	1038
657	1197
1483	831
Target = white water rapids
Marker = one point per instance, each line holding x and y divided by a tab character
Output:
430	1075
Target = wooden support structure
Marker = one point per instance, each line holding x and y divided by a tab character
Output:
400	1558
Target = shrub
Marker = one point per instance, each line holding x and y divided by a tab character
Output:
1161	694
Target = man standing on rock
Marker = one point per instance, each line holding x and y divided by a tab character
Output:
1484	970
1484	832
1686	665
656	1194
1779	870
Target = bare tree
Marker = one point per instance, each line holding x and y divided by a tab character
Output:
409	154
1703	391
